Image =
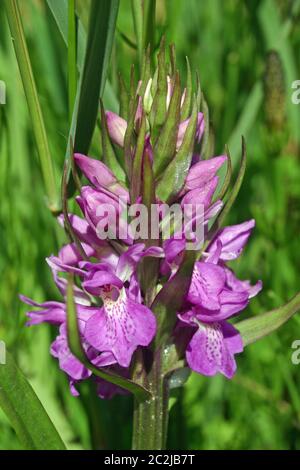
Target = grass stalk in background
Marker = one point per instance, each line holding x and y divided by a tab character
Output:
19	41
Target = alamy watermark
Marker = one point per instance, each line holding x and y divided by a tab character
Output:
2	92
296	354
160	221
296	94
2	353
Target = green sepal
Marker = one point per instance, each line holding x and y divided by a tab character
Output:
175	174
159	105
165	146
129	138
186	107
136	178
205	144
232	196
124	98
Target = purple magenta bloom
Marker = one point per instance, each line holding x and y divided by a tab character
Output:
50	312
233	240
100	175
122	324
212	348
113	303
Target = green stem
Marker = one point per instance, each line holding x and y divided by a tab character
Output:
150	419
21	50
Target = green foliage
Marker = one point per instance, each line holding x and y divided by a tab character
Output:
228	42
24	410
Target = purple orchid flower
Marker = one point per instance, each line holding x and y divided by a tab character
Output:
115	315
212	347
123	323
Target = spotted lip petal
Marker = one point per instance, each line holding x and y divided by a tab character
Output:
212	348
121	326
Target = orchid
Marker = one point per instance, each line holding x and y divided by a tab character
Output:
135	300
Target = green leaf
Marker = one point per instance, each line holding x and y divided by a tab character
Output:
205	144
170	298
124	98
159	105
72	55
232	196
35	111
165	145
175	174
59	10
77	350
247	118
137	14
136	179
130	134
149	267
228	176
102	25
257	327
143	13
186	107
24	410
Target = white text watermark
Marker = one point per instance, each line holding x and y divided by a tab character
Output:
2	353
160	221
2	92
296	354
296	94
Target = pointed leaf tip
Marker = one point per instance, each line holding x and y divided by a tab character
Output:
260	326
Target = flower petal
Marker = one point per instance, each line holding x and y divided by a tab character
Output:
120	327
237	285
116	127
208	280
233	239
203	171
52	312
100	175
209	353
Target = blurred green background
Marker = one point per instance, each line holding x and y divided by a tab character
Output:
248	55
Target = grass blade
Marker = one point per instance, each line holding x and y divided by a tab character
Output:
21	50
72	59
24	410
59	10
102	25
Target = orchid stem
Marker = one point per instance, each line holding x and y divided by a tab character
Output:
150	419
